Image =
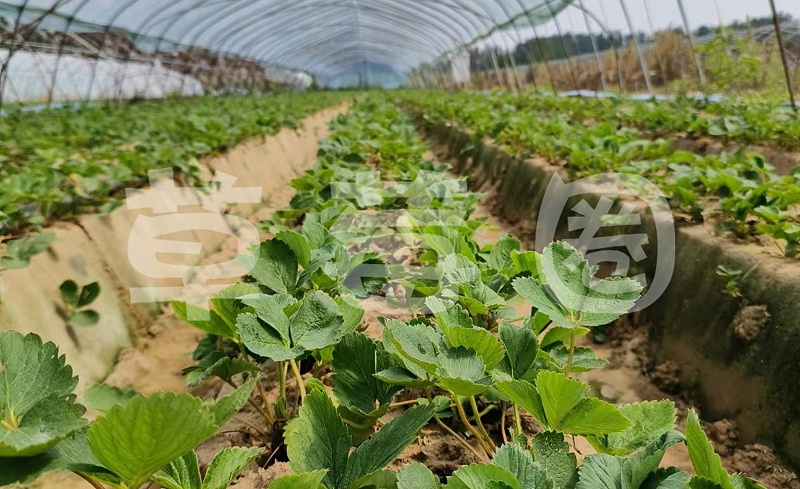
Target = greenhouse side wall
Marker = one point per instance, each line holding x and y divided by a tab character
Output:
34	77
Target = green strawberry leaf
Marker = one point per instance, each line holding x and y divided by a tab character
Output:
351	312
520	463
299	245
553	453
413	342
102	397
462	372
228	305
228	464
20	251
706	463
482	342
71	454
649	420
500	256
386	445
181	473
69	292
309	480
570	297
207	321
417	476
317	324
276	266
524	394
225	408
479	476
521	346
217	364
356	360
37	407
84	319
88	295
567	408
318	439
143	436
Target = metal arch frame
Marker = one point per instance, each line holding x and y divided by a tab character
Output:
154	20
17	22
435	44
409	31
406	47
203	3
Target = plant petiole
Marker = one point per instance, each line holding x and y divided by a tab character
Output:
470	428
517	420
301	386
483	458
478	420
571	357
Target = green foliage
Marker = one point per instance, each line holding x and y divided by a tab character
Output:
37	404
363	397
318	440
738	191
283	328
567	294
184	472
76	299
136	440
103	397
59	163
707	464
20	251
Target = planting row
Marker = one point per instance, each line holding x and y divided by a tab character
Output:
59	163
373	221
739	192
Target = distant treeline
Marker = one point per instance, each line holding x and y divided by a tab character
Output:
553	48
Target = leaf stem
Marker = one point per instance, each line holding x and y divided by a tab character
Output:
478	419
483	458
403	403
517	419
94	483
469	426
282	378
503	423
301	386
267	407
571	357
252	403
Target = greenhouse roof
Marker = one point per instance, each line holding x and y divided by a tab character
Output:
327	38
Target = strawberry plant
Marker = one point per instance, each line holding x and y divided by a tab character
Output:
586	137
76	299
318	443
43	428
57	164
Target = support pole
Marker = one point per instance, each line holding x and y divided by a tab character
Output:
700	74
594	46
636	45
784	58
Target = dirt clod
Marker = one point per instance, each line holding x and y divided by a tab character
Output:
758	461
666	377
724	435
749	322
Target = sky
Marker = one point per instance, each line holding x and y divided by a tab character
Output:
662	14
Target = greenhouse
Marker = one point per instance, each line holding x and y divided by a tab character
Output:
385	244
